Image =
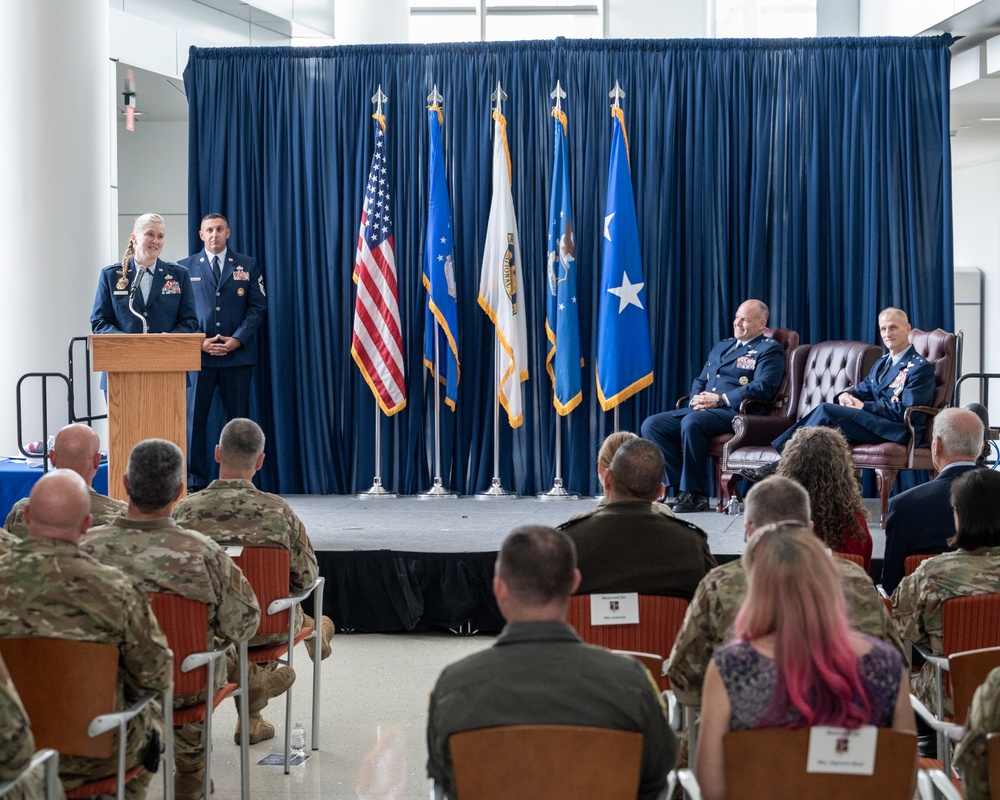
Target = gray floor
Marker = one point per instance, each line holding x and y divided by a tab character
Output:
344	522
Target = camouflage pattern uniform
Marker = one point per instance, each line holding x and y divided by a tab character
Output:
16	742
970	754
7	542
710	616
160	556
235	512
52	589
103	508
918	603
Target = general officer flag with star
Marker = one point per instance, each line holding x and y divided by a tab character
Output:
562	318
439	270
501	290
624	359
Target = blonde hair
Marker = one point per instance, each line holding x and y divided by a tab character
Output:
142	222
610	446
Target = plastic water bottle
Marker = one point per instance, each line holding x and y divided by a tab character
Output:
298	741
733	507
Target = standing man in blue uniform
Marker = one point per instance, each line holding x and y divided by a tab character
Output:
872	412
746	366
231	303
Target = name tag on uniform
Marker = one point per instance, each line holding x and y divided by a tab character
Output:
842	751
194	279
621	608
122	291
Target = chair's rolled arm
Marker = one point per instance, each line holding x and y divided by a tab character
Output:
196	660
284	603
106	722
950	729
756	431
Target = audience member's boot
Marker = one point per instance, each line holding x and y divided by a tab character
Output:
190	785
260	730
326	634
266	683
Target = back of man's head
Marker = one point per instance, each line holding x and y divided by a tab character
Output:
961	434
59	506
241	445
636	471
155	475
776	499
538	565
78	448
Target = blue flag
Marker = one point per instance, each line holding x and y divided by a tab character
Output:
562	318
624	360
441	319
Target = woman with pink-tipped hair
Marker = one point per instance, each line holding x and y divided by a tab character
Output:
795	662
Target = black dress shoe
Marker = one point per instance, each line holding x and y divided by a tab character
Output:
755	474
691	503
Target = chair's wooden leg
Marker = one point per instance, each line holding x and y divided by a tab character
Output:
886	479
723	489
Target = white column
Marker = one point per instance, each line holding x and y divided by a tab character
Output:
55	194
371	22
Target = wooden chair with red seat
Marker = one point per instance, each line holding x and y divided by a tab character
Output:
941	348
769	763
970	623
267	569
68	690
185	624
775	407
853	557
660	620
545	762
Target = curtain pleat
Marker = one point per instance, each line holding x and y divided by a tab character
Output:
812	174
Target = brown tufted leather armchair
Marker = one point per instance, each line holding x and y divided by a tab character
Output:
817	373
789	340
888	458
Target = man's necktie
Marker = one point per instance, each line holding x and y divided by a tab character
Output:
216	268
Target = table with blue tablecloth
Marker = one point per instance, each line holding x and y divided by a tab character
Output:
18	476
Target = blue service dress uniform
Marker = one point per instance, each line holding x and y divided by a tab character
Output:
751	370
169	309
887	391
233	306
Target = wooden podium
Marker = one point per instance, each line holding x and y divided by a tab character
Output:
147	398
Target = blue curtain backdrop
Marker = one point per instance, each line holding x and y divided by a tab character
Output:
813	174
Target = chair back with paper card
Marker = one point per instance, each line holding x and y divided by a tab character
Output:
659	621
766	763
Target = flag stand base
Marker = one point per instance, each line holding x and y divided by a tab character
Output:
377	492
496	492
437	492
557	492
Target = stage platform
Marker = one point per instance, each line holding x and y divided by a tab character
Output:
405	564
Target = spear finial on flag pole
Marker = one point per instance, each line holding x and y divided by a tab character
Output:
498	96
435	98
558	94
617	95
379	97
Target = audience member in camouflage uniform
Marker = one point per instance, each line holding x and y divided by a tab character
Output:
712	611
232	511
970	754
78	448
16	742
50	588
7	542
149	547
974	568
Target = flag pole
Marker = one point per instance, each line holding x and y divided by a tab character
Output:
496	490
438	490
378	491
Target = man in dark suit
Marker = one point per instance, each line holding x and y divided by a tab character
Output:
144	288
746	366
231	303
626	545
921	519
872	412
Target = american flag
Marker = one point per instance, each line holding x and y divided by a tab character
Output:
377	345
